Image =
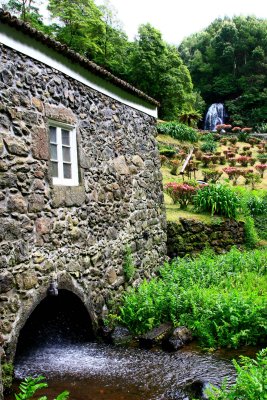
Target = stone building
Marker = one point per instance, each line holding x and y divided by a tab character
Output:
80	179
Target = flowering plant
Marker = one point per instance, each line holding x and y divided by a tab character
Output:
261	168
243	160
181	193
236	129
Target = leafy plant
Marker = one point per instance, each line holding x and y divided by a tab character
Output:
178	131
251	381
30	386
128	265
167	150
211	175
256	205
217	199
251	236
219	297
181	193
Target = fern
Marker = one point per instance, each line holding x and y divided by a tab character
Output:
30	386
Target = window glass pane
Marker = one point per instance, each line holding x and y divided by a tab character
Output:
65	137
67	171
54	169
66	153
53	151
53	134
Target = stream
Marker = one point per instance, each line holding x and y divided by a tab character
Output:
93	371
57	342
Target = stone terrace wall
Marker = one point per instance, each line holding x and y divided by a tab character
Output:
77	233
191	237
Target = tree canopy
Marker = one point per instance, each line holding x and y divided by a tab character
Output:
228	63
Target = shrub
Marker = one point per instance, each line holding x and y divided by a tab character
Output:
181	193
250	382
236	129
233	139
256	205
166	150
262	158
209	146
261	168
217	199
252	178
262	128
174	166
243	136
219	297
243	160
211	175
178	131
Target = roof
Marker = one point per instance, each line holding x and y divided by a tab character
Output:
5	17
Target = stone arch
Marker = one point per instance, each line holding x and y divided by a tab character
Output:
65	282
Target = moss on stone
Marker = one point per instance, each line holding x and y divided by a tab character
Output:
7	375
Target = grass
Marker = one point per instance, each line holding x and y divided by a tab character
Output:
174	212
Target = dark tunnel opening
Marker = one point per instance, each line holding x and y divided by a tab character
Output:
61	319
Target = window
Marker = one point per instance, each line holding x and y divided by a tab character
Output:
63	155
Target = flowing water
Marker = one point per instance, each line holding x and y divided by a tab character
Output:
215	116
93	371
57	343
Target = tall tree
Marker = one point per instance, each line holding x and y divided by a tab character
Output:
156	68
79	25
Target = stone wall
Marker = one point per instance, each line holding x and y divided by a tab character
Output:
190	236
77	235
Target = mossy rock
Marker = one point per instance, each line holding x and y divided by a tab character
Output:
7	375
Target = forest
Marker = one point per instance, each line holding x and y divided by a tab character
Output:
226	62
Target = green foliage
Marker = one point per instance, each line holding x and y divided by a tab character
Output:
211	175
181	193
228	61
190	118
260	222
166	150
256	205
262	128
156	68
30	386
251	236
128	265
251	381
209	145
219	297
217	199
178	131
243	136
7	375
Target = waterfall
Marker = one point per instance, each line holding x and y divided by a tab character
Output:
215	116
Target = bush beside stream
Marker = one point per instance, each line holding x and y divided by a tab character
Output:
221	298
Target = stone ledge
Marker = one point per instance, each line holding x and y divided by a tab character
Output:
68	196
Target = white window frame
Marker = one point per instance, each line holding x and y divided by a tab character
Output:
60	180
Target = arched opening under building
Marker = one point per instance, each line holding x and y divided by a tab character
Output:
60	320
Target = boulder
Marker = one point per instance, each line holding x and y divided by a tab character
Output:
121	336
156	336
179	337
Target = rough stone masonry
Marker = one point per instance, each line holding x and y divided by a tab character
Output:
77	235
